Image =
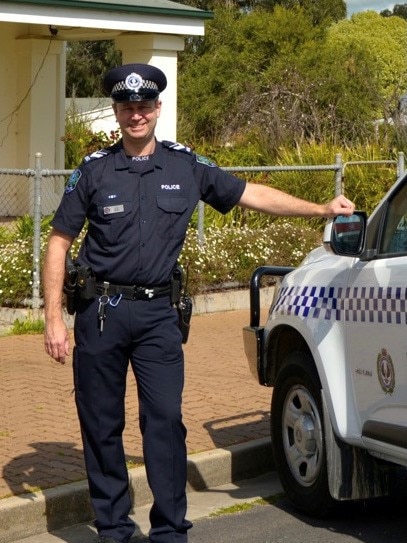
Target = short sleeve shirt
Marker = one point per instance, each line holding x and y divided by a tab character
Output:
137	210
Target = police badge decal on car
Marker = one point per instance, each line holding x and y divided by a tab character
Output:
385	372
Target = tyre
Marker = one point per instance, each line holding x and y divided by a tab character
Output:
297	434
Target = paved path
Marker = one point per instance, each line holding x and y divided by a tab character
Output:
40	443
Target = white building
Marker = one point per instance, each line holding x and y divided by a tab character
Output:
99	114
33	37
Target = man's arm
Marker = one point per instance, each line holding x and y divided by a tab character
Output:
56	333
275	202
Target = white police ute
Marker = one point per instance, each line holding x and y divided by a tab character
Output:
334	349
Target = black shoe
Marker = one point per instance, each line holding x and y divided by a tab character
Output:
104	539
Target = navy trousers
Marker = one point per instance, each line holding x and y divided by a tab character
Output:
146	334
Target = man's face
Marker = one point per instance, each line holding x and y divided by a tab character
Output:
137	120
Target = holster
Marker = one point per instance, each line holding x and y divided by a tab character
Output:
86	286
182	302
79	283
70	284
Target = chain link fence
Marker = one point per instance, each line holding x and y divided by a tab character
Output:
37	193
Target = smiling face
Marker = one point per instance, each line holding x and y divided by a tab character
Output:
137	121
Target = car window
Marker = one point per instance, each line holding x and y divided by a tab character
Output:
394	236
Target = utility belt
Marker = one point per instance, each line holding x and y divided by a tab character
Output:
133	292
81	284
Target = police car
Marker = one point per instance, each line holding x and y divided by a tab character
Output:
334	349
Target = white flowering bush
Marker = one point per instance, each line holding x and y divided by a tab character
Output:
230	255
15	272
226	255
16	261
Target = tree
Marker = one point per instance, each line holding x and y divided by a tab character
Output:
384	39
321	12
277	77
400	10
346	91
209	5
240	59
86	63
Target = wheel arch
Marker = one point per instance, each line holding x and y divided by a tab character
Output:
346	472
332	371
281	342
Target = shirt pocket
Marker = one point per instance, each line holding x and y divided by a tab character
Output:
113	221
172	216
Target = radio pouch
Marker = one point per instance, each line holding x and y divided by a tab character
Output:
182	301
184	308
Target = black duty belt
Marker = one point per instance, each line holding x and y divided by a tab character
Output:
133	292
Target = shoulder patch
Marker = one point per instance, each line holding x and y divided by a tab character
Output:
95	155
205	160
73	181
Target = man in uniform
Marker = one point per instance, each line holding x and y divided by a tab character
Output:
137	198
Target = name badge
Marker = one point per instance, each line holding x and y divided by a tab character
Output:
113	209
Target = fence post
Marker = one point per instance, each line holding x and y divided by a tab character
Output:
339	185
400	164
201	216
37	233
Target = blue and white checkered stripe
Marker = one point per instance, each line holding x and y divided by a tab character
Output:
355	304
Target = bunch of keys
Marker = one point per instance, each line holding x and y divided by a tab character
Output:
103	301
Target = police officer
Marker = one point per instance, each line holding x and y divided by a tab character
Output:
137	198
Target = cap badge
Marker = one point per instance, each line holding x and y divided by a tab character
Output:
133	81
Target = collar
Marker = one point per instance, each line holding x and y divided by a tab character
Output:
122	162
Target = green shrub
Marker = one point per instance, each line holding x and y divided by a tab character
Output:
27	326
80	140
364	184
6	234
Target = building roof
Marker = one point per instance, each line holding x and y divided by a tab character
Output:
151	16
153	7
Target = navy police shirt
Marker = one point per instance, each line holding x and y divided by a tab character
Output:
138	209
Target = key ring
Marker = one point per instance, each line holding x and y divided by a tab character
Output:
104	299
114	302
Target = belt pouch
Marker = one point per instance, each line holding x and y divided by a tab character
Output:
86	283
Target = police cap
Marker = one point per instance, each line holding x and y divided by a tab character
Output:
134	82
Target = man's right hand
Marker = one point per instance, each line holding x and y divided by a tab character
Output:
56	341
56	337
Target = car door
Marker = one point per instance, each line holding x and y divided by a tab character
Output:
374	311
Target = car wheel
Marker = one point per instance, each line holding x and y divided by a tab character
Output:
297	434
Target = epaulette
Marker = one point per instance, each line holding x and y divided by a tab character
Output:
96	154
177	147
184	149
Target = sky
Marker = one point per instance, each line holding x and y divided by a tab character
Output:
353	6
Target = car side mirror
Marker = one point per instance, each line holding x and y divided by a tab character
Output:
348	234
